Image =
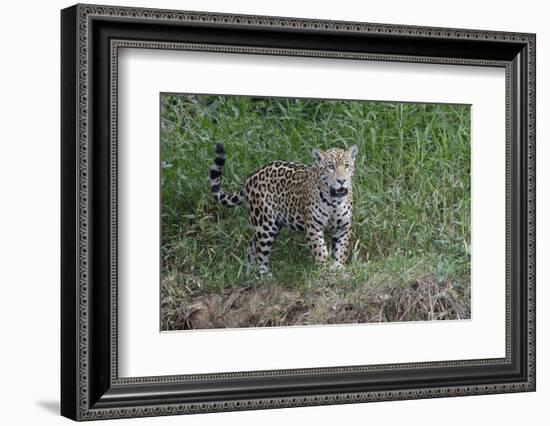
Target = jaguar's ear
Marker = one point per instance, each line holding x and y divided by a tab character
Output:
318	155
353	152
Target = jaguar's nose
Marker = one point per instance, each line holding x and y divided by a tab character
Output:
341	181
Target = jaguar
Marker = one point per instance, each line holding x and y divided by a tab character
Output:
313	199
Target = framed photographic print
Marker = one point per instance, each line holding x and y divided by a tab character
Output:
263	212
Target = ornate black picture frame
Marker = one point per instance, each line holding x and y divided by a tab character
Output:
91	36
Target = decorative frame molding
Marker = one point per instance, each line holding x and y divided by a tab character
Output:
91	38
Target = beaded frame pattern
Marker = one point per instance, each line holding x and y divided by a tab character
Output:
87	12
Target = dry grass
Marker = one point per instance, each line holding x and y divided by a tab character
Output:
276	306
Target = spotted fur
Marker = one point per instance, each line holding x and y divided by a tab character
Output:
313	199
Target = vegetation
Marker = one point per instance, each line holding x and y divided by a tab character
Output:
411	219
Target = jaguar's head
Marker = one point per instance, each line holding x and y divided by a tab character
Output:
336	168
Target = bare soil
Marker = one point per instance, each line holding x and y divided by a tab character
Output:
275	306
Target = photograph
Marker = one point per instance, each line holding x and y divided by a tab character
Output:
283	211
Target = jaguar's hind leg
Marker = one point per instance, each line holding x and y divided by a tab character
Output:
251	255
264	237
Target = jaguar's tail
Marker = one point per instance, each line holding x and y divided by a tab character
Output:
228	200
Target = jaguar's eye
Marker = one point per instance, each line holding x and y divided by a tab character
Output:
347	166
331	167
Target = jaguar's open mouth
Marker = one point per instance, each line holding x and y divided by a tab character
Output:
340	192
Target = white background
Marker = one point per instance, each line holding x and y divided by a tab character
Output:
29	225
143	351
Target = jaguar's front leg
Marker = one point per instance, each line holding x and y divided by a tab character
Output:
317	246
340	244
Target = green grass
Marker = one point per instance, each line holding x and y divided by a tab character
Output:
411	189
